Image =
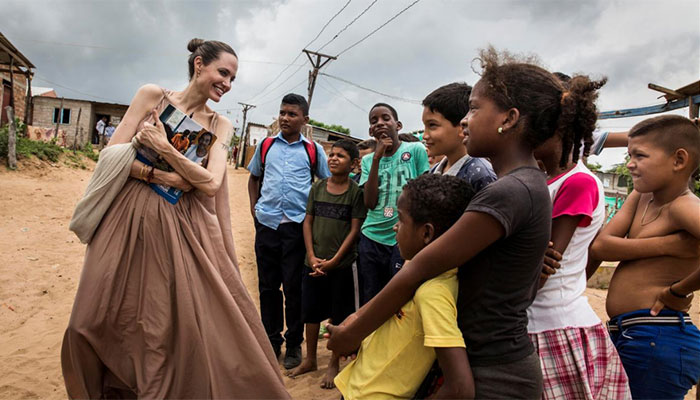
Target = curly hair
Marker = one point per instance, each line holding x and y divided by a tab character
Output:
546	104
438	199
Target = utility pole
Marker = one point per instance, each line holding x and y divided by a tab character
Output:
318	63
244	135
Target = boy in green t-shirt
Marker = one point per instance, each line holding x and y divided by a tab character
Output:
384	173
334	215
394	360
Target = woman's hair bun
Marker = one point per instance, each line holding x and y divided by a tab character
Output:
194	44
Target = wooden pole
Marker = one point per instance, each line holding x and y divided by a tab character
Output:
28	100
317	64
58	120
242	142
12	84
77	128
11	139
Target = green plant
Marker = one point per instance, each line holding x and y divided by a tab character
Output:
337	128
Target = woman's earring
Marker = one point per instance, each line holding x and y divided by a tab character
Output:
500	129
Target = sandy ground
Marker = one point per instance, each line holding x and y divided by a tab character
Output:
40	266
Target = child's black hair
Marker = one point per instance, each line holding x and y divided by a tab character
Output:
392	109
407	137
297	100
438	199
370	144
545	104
349	146
452	101
671	132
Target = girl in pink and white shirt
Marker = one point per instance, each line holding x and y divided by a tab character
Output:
577	356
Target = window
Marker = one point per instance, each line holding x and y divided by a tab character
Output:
65	117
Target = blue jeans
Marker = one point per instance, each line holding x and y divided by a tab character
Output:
661	361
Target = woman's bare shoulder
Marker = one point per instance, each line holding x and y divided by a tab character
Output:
149	91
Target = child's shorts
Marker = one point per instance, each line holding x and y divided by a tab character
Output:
331	296
661	354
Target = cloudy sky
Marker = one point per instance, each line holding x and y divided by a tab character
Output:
104	50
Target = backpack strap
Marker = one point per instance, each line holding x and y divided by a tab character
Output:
312	153
264	149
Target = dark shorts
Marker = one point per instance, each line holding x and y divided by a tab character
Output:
661	354
376	264
331	296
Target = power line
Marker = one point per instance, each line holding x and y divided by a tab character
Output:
380	27
276	98
328	23
348	25
412	101
300	53
339	93
37	76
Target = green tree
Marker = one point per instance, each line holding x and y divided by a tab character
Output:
333	127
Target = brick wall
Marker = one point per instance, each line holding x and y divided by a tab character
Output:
20	89
44	111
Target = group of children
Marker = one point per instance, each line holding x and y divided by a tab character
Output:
450	260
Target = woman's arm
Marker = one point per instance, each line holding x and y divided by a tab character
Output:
146	98
140	171
439	256
209	179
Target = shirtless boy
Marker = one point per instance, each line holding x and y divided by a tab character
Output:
656	236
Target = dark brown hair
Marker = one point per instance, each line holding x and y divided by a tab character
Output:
209	50
546	106
671	132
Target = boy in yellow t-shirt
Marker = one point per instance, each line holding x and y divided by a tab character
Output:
395	359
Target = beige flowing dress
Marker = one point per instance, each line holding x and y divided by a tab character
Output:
161	310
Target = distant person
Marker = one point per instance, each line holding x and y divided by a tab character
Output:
109	131
161	310
100	127
656	238
334	215
393	361
407	137
278	188
384	173
364	147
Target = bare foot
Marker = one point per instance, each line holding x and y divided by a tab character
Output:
305	366
331	372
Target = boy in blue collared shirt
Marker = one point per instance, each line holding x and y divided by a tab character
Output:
278	205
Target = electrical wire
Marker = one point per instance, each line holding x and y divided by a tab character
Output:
377	29
347	26
411	101
257	95
37	76
339	93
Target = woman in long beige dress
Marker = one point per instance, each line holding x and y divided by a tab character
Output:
161	310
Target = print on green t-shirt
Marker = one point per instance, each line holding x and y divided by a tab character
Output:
408	162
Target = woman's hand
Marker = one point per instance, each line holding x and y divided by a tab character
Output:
173	179
154	136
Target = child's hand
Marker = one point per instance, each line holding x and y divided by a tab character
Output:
667	300
327	265
550	264
338	343
383	144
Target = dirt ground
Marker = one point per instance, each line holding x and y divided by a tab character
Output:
40	266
